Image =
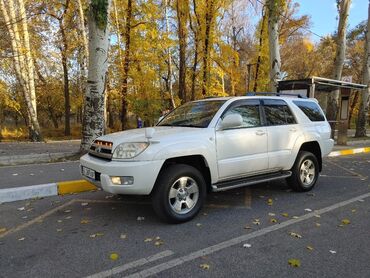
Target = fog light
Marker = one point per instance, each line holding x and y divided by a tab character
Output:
122	180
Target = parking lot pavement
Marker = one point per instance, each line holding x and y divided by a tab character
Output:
100	234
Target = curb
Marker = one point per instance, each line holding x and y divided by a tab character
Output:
32	158
44	190
349	152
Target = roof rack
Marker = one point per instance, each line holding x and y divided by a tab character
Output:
274	94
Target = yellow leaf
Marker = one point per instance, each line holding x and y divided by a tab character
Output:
273	220
294	262
113	256
256	222
293	234
309	247
85	221
204	266
285	214
270	202
123	236
247	227
2	230
317	224
148	239
346	221
158	243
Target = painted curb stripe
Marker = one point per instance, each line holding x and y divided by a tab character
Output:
28	192
350	151
69	187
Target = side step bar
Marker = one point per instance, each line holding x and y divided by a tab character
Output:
223	186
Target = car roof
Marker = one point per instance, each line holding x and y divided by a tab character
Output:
288	98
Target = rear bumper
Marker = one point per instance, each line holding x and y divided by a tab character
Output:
327	146
144	173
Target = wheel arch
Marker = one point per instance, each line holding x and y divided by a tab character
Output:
314	148
197	161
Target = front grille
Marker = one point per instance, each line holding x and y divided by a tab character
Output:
102	149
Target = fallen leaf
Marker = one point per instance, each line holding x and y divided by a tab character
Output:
108	196
157	238
261	196
85	221
149	239
96	235
346	221
256	222
285	214
60	221
247	227
21	208
198	224
123	236
295	217
158	243
84	204
311	194
62	170
294	262
67	211
317	224
333	252
270	202
24	217
308	209
205	214
21	239
59	230
293	234
273	220
140	218
353	210
247	245
309	247
2	230
361	200
204	266
271	214
68	217
317	216
15	174
113	256
30	209
32	174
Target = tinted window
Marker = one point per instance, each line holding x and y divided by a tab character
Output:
277	112
311	109
250	113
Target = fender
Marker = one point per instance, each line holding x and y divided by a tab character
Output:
207	150
303	138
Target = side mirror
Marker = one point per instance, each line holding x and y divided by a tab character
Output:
231	121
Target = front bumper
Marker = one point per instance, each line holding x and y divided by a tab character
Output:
145	174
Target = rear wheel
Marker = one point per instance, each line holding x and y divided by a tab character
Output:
179	193
304	172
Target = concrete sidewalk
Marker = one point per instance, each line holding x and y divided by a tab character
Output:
17	153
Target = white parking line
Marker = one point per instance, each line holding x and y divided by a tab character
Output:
238	240
133	264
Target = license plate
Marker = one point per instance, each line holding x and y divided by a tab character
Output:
88	173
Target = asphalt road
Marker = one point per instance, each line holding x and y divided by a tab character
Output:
240	233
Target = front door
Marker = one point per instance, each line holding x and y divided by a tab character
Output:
242	151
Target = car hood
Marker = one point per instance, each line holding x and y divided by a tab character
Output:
161	133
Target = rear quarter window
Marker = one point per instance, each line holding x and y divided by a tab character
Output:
311	110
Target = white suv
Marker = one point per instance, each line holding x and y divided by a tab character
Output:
212	145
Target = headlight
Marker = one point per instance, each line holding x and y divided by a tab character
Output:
129	150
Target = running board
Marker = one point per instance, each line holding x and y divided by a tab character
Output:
226	185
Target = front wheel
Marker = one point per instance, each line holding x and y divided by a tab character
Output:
305	172
179	193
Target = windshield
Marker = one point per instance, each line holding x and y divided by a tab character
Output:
193	114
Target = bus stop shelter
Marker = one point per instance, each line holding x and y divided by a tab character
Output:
320	88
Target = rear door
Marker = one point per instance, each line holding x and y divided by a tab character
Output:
242	151
282	132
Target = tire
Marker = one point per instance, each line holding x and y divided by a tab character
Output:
179	193
305	172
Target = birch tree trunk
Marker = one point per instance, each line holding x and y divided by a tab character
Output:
364	105
274	49
93	121
169	59
333	99
23	61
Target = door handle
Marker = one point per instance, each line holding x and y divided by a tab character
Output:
260	132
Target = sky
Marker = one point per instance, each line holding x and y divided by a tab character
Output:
324	13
